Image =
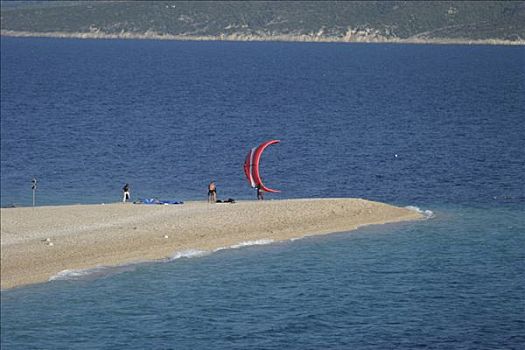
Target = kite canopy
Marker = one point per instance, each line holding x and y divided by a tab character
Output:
251	166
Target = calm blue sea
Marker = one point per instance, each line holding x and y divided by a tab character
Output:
441	128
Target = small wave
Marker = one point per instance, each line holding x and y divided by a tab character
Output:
69	275
102	271
249	243
190	253
427	213
246	244
95	272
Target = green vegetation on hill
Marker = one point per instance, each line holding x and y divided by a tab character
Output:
353	20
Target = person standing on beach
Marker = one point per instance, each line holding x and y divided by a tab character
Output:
212	192
126	195
259	193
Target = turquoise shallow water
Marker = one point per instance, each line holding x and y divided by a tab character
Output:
86	116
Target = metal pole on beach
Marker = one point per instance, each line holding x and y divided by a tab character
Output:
33	187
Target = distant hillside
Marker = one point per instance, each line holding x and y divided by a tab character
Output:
354	21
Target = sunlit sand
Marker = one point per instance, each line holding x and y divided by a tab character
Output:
38	243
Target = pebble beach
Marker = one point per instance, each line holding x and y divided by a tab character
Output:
38	243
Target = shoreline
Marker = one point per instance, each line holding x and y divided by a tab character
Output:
248	38
41	242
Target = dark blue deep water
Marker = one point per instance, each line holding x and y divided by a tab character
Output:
441	128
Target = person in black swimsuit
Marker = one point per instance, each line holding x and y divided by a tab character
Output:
125	192
212	192
260	195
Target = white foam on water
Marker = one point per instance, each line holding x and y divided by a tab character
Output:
250	243
190	253
427	213
246	244
99	271
69	275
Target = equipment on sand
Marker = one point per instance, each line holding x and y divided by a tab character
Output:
251	166
156	201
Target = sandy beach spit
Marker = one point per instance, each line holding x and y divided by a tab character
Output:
38	243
